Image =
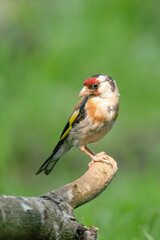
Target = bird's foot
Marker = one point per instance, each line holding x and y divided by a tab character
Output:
100	157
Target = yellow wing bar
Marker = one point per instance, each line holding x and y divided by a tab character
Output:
71	121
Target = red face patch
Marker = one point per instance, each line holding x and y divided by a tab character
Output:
90	81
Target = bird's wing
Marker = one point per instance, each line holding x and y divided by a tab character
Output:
77	115
62	147
69	125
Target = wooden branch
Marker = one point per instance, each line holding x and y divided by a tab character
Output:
51	215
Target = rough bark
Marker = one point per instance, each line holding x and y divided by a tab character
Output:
51	216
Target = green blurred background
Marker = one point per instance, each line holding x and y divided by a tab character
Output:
47	50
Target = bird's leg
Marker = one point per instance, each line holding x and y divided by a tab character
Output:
100	157
87	151
90	151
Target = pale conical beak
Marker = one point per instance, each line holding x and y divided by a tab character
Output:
84	92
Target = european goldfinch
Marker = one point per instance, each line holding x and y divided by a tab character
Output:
91	120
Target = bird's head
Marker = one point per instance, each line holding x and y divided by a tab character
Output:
99	85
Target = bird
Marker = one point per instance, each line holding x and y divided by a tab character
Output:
91	120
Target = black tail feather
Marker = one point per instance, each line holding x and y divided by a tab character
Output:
49	160
42	168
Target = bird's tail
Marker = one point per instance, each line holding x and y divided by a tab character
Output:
58	152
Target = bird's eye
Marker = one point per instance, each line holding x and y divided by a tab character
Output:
95	85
